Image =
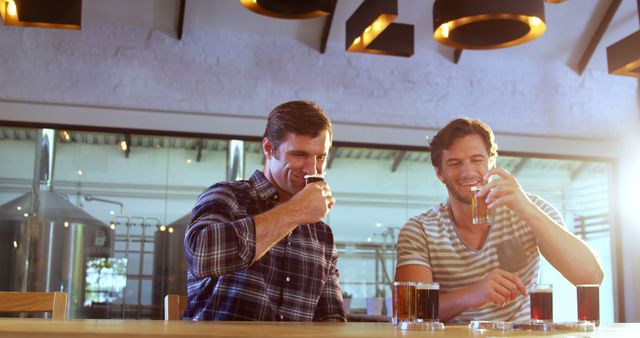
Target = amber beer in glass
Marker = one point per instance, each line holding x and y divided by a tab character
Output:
589	303
427	302
403	302
480	214
541	297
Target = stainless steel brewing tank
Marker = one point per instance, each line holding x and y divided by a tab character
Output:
169	264
48	249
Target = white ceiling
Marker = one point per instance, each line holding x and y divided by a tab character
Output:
570	25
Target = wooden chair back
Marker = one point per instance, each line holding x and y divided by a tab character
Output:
54	302
174	306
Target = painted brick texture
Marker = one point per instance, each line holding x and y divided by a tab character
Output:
228	73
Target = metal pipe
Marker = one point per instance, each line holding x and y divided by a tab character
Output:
89	198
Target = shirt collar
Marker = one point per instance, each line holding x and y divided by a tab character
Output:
263	186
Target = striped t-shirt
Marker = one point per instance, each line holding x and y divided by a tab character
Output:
432	240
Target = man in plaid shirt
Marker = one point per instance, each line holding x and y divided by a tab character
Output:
257	249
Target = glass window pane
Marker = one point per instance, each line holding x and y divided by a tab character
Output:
18	147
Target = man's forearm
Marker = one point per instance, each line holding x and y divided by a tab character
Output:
272	226
568	254
454	303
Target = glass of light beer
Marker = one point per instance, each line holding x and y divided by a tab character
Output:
313	178
480	214
427	302
589	303
403	302
541	297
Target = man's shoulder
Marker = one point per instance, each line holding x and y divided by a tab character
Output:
226	193
431	216
431	221
226	187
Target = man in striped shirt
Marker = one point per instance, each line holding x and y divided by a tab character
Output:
485	270
257	249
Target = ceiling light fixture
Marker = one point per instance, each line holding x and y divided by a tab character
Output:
370	30
623	57
487	24
64	14
555	1
290	9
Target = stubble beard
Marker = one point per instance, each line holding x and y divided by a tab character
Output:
457	195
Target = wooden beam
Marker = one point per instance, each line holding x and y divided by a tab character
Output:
399	157
327	28
183	3
518	168
127	140
199	150
597	35
579	170
332	157
456	55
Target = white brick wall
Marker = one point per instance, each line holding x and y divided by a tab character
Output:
225	73
215	74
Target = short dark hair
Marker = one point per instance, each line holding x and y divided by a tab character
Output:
297	117
460	128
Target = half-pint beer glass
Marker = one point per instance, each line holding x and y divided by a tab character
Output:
541	297
313	178
427	302
480	214
403	302
589	303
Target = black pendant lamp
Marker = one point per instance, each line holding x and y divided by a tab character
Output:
290	9
370	30
64	14
487	24
623	57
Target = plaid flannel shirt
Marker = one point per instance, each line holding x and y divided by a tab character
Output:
296	280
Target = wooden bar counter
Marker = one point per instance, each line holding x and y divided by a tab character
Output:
47	328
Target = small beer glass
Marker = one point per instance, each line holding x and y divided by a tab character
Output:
589	303
480	214
403	302
541	297
313	178
427	302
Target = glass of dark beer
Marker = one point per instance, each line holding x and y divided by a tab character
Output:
403	302
427	302
589	303
541	297
480	214
313	178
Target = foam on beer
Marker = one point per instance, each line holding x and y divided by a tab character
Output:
428	286
543	290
